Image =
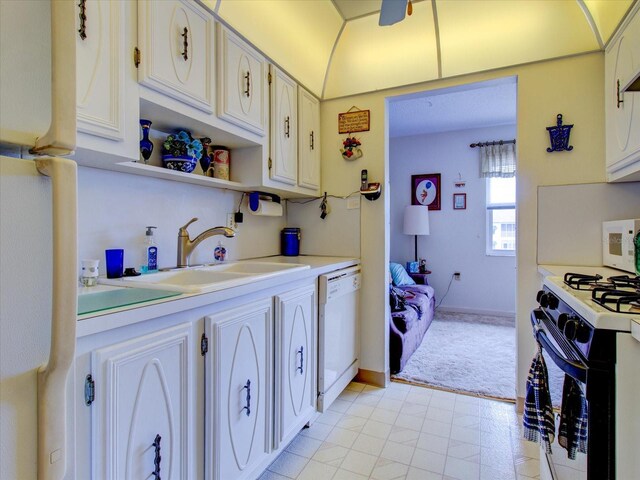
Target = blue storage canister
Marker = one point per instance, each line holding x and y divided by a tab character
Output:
290	242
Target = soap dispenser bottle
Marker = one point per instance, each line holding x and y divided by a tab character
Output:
150	252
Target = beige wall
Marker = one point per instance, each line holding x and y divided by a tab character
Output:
571	86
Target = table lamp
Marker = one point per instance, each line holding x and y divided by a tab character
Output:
416	222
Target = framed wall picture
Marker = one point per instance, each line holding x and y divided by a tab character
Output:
459	201
425	190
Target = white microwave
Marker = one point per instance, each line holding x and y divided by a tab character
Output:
618	250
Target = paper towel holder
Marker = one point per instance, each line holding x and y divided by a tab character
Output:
254	199
372	191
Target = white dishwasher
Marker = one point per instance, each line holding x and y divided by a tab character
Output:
338	335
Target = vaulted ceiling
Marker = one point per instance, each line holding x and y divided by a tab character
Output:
335	47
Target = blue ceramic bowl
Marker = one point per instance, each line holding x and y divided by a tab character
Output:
183	163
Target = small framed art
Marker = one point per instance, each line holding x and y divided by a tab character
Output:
425	190
459	201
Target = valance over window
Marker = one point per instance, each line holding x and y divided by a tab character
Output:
498	161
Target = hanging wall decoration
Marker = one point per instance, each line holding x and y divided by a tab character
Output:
559	136
353	120
350	148
425	190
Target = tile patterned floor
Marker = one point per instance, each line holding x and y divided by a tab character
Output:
408	432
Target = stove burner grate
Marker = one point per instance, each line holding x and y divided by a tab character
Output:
580	281
625	281
615	300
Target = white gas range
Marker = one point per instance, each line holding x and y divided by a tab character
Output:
583	324
613	306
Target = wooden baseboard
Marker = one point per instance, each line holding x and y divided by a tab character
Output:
370	377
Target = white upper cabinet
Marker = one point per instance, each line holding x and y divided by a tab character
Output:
144	406
622	61
308	140
176	41
106	89
284	128
242	85
295	347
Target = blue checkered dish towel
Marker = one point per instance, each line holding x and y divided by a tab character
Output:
573	419
538	413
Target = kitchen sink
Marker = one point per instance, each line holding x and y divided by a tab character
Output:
207	278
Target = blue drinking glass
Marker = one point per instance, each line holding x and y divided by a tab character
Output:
115	262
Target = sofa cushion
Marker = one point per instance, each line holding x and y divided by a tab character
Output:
423	289
399	275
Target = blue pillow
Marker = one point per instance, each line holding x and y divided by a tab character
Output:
399	275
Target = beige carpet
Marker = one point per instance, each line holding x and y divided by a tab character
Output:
466	353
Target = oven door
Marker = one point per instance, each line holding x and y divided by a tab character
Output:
560	361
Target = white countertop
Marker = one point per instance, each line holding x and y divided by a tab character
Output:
118	317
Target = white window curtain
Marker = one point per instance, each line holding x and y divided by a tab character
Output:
498	161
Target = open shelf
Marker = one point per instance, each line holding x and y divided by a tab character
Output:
166	174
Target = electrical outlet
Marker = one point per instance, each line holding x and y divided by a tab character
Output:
231	223
456	275
353	202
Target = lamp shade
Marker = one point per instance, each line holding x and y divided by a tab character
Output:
416	220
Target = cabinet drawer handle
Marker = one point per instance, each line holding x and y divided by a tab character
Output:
619	98
83	19
185	43
301	352
247	77
247	407
286	127
312	146
157	458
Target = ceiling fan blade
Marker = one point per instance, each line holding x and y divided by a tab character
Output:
392	11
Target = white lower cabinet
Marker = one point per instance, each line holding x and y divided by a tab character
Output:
246	366
239	370
295	380
142	414
261	381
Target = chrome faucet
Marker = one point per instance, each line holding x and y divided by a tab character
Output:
186	245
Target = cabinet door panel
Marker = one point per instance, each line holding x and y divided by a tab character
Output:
622	110
295	361
241	390
309	140
284	126
144	395
176	41
241	83
99	72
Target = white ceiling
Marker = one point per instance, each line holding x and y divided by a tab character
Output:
472	106
350	9
340	50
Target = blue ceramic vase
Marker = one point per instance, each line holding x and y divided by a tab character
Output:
146	147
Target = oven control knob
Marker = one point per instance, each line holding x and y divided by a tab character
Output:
553	301
562	320
539	295
583	335
543	300
571	329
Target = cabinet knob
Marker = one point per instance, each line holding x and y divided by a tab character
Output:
82	31
619	98
157	458
301	367
247	78
247	407
185	43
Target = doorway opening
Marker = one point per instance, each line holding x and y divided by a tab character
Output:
452	181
